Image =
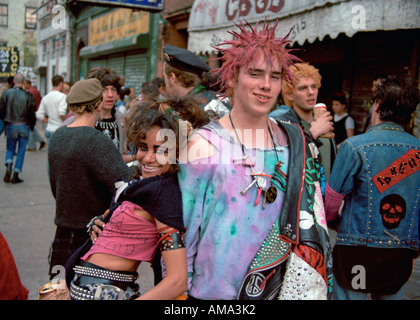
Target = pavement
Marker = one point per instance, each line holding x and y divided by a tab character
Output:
27	212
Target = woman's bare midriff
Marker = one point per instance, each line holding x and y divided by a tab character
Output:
115	263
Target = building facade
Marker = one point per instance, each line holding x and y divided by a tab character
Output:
53	44
350	42
18	33
122	39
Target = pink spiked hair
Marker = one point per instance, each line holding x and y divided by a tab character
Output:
245	45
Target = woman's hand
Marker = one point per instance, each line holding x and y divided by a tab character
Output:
96	226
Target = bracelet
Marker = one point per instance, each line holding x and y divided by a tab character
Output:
92	223
171	240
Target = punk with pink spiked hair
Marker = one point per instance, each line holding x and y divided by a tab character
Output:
247	182
246	43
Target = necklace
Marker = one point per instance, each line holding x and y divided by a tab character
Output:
259	178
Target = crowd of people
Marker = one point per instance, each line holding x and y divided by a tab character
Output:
228	193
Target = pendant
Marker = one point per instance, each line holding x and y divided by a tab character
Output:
271	194
261	183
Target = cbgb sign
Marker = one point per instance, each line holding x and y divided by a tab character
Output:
242	8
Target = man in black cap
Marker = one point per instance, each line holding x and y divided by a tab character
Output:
183	74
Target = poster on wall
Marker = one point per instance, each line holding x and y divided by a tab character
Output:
9	62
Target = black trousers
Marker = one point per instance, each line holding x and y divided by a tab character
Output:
66	242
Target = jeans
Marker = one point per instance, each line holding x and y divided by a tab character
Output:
34	137
340	293
65	243
17	135
48	135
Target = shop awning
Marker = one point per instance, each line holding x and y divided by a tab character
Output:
125	44
310	19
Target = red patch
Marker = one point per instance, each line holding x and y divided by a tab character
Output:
400	169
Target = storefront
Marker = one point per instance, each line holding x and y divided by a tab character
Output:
120	39
351	42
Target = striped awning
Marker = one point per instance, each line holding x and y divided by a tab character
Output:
310	19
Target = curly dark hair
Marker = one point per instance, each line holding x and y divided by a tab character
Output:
397	99
106	76
177	112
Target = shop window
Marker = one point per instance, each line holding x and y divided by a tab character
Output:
4	15
30	18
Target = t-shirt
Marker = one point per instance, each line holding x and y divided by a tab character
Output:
53	105
349	120
110	128
219	219
325	151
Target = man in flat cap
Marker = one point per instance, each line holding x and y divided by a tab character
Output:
183	74
84	164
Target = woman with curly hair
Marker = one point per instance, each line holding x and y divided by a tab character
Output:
146	212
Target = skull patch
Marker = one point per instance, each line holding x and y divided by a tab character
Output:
392	209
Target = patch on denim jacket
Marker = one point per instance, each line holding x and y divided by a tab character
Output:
392	209
400	169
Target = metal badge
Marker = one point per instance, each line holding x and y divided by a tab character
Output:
271	194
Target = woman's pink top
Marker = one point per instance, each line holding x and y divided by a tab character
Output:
127	235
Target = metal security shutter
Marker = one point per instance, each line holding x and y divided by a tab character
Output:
96	63
116	63
135	71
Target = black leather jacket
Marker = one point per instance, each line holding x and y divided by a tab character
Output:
17	106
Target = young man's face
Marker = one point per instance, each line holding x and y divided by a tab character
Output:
304	95
109	95
169	85
338	107
257	87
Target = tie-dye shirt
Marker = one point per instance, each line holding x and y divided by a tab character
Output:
224	228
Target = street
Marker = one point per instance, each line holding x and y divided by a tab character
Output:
27	213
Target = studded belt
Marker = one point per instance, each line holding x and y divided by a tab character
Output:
105	274
92	282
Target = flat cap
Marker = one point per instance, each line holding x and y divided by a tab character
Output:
85	92
184	60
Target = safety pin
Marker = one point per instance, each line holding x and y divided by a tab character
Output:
241	158
391	235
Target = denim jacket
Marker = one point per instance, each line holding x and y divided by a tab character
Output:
379	174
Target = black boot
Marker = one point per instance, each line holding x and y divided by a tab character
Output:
8	172
15	178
